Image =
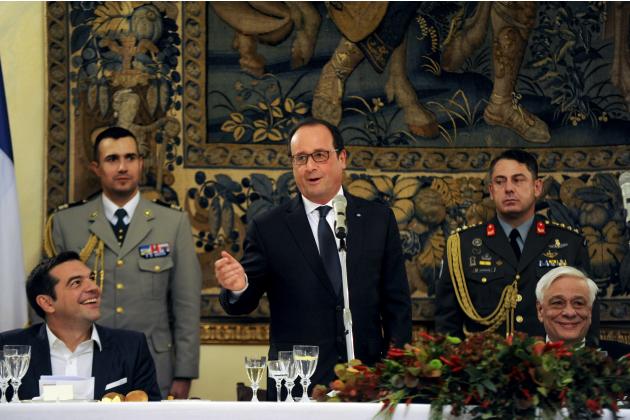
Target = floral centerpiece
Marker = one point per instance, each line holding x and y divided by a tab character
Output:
488	376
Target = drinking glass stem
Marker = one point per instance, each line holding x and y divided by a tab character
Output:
3	393
289	384
305	383
255	392
278	390
15	383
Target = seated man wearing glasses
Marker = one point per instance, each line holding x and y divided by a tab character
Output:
564	304
63	292
291	254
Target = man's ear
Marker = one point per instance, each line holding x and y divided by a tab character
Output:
45	302
538	187
93	167
539	311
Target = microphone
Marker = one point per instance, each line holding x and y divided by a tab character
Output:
339	204
624	183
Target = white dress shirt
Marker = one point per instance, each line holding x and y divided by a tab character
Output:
67	363
312	215
111	207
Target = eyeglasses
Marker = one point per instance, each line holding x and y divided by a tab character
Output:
319	156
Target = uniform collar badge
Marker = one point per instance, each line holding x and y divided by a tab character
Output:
540	228
491	230
476	242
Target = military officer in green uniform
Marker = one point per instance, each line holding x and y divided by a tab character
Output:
490	270
144	258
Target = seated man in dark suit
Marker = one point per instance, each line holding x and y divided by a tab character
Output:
564	304
63	291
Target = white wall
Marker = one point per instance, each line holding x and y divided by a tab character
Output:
23	52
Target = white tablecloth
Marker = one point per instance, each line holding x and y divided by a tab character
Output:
196	409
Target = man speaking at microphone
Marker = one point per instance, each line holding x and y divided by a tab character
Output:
291	253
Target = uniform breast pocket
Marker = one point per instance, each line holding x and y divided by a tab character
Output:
485	289
156	271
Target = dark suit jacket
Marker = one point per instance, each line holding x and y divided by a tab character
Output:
124	354
615	349
281	259
489	264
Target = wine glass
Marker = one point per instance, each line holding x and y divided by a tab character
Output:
277	373
288	364
4	373
306	359
255	368
18	365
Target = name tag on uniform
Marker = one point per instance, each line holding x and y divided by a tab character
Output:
154	250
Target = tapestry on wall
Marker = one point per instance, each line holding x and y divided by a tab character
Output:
425	95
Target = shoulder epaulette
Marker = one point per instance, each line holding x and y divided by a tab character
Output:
563	226
70	205
466	227
169	205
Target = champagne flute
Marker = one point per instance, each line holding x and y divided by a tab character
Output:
18	365
277	373
4	374
306	359
255	368
286	359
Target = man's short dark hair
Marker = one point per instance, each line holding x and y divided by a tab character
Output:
336	135
519	155
111	133
40	282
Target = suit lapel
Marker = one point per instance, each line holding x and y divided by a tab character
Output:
100	226
101	364
500	245
139	227
303	235
355	220
534	244
40	354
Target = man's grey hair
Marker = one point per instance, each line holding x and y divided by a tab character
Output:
548	278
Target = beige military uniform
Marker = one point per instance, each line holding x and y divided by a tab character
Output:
150	283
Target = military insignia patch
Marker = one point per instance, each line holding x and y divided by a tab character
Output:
560	262
557	244
476	242
472	261
550	254
491	230
154	250
486	259
540	228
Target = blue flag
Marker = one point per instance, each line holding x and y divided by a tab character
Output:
12	277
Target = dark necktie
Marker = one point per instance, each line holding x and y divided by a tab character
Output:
514	235
328	249
120	228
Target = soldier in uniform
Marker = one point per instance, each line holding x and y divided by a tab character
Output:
143	255
490	270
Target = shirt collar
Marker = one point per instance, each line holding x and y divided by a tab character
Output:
110	207
523	228
53	339
310	206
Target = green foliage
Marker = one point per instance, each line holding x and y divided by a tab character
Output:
488	376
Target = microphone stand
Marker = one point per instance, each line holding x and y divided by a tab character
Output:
347	315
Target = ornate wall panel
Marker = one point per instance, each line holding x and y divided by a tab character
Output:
212	90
